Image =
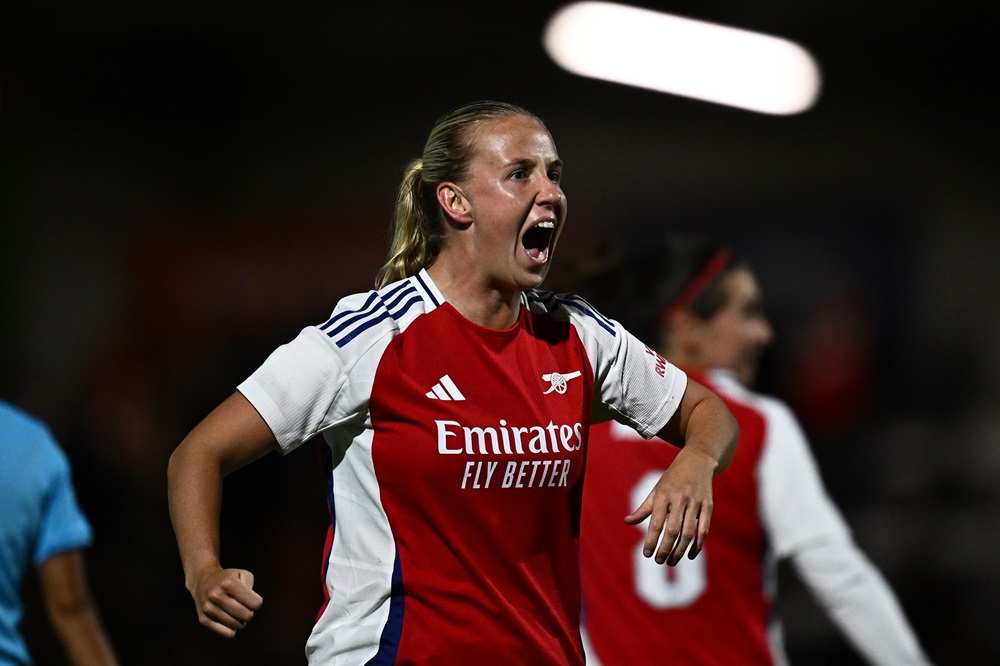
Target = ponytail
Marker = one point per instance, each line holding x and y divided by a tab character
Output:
416	229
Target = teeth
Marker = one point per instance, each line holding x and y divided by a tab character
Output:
547	225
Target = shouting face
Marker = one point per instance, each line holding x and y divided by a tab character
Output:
510	203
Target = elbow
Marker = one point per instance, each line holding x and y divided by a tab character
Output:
175	464
70	612
186	462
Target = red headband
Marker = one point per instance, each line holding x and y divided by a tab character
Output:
702	279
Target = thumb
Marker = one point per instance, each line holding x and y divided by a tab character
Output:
245	577
640	514
248	598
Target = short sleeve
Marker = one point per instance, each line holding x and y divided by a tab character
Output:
632	383
323	378
63	524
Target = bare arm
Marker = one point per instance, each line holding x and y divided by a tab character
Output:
232	436
680	505
72	611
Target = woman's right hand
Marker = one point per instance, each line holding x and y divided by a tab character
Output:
225	600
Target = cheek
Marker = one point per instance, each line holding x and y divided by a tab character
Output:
745	343
717	345
730	344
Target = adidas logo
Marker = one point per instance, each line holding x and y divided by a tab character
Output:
445	389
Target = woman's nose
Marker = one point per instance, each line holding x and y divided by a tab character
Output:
765	331
550	191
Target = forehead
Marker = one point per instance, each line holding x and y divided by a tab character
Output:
513	138
741	285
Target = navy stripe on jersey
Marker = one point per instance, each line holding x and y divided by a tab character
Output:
388	645
350	335
430	294
348	317
405	300
393	309
551	303
376	309
402	309
386	314
375	300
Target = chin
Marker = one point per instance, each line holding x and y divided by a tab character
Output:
537	279
531	277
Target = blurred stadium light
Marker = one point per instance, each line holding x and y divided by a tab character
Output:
681	56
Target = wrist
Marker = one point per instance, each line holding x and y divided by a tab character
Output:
196	570
698	455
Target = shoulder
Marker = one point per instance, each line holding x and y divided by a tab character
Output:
780	418
784	439
29	448
768	406
380	312
20	428
15	419
570	308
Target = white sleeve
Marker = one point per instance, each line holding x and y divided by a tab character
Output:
806	527
316	382
632	384
795	506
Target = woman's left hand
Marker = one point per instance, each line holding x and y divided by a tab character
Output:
679	508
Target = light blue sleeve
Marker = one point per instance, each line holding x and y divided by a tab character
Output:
64	526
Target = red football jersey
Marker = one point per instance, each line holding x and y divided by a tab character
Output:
712	610
456	460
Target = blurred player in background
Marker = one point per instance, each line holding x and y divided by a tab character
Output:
42	527
701	308
454	400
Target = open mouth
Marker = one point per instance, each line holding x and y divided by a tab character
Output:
538	239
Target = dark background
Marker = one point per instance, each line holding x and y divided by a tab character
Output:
184	185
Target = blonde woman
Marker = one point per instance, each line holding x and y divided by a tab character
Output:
455	401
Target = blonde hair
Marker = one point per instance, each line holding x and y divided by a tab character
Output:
417	232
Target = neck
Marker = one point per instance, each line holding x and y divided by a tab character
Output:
689	363
477	301
681	360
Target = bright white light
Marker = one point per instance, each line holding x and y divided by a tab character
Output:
705	61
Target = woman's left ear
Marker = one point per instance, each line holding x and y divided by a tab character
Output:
454	203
